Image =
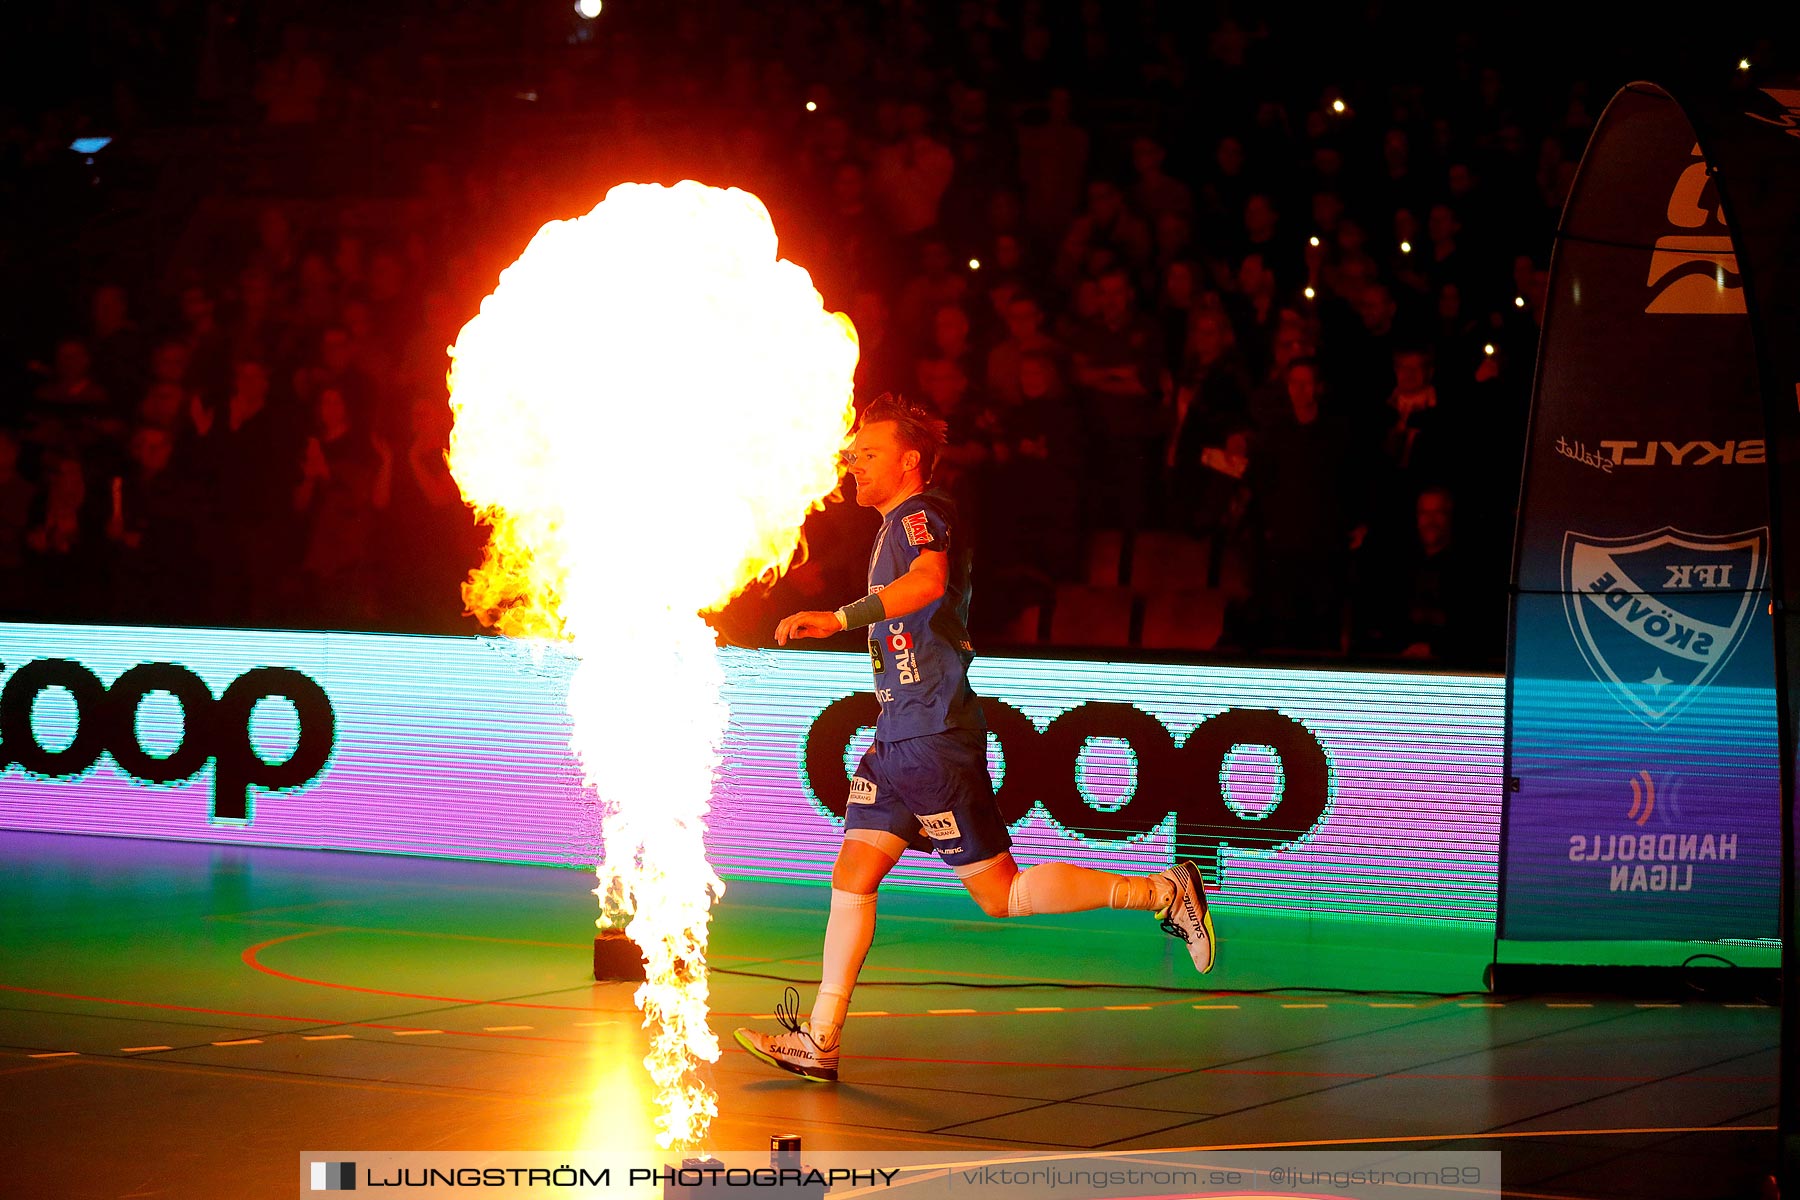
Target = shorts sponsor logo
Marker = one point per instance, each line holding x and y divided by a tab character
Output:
862	791
940	827
918	529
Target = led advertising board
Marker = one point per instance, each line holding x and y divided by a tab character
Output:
1359	793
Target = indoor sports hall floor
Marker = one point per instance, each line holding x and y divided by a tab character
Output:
181	1020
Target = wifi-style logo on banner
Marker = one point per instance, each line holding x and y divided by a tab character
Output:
1658	615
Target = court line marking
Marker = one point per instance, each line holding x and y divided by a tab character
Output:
241	1042
214	1012
753	959
288	1078
1043	1008
250	953
325	1037
250	957
56	1054
414	1032
559	1101
325	1021
142	1049
504	1028
1215	1006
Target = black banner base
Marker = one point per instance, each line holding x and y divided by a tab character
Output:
617	959
1728	984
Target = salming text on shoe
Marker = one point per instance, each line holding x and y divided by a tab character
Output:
1187	916
793	1050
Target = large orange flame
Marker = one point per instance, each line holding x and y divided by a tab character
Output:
646	409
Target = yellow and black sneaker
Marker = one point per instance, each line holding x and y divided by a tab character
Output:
1187	916
794	1050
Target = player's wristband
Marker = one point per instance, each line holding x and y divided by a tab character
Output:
866	611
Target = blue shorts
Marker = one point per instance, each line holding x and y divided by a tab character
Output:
934	792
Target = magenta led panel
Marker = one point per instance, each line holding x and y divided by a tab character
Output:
459	747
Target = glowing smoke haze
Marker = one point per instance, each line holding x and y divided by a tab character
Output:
646	409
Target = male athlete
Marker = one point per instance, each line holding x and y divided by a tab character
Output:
924	782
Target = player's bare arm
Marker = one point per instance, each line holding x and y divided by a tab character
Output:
922	584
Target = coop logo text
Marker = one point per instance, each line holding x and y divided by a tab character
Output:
214	729
1180	780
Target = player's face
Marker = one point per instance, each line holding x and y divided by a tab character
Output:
875	460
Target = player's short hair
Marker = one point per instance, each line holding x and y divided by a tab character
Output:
917	426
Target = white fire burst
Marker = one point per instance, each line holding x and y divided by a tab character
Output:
646	408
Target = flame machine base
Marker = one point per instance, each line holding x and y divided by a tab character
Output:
617	958
702	1184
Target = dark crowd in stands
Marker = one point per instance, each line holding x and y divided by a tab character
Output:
1233	318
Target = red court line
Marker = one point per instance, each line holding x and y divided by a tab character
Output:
216	1012
226	1012
959	1062
250	960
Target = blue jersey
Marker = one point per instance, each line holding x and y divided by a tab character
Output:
922	658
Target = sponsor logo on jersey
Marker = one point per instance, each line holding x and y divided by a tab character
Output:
875	656
1658	615
862	791
918	529
906	658
940	827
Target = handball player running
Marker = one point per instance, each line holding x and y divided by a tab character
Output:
924	782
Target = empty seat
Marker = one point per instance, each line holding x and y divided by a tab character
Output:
1104	547
1183	619
1092	616
1022	630
1165	560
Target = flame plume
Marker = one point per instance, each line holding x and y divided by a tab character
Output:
646	409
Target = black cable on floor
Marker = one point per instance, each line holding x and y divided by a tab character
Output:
1117	987
1693	979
